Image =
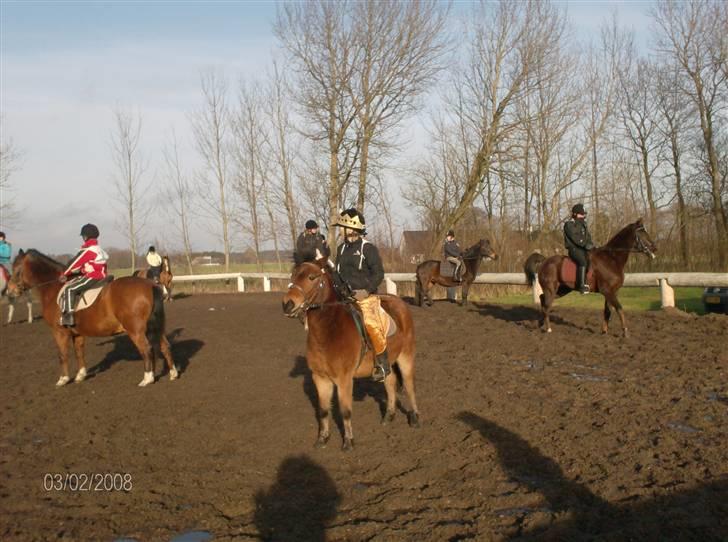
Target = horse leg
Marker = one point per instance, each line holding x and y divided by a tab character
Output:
167	355
390	386
405	361
612	298
62	341
464	293
325	391
547	299
29	304
345	388
139	339
605	317
78	347
11	309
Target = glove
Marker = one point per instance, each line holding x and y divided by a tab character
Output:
62	279
360	295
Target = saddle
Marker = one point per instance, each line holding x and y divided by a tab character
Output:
390	327
447	269
567	274
87	297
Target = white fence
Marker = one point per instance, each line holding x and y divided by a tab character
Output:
665	281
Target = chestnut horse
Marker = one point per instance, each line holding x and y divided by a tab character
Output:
607	265
165	277
129	304
4	281
428	273
333	346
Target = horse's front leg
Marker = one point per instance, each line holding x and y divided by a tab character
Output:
63	340
345	395
325	391
11	309
29	304
78	346
606	316
620	311
464	293
145	349
547	299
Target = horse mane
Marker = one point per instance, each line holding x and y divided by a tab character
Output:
622	237
37	255
470	252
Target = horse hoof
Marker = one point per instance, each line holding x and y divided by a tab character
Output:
625	334
413	419
548	330
80	375
348	445
148	379
388	418
62	381
321	442
173	373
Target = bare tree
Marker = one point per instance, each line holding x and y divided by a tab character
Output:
9	162
693	34
180	195
130	168
211	129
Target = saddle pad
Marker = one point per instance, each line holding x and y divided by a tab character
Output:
86	299
567	274
446	269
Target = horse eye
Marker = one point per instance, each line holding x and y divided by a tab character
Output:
312	277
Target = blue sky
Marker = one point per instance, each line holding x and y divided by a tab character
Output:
64	66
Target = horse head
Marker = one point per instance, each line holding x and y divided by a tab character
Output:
486	251
310	287
32	269
16	285
642	241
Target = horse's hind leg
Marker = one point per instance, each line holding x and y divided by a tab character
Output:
167	355
406	363
345	388
325	391
605	316
139	339
78	346
29	304
547	299
612	298
390	386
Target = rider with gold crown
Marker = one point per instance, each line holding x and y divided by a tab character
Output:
87	268
358	263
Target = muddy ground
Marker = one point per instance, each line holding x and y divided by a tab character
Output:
568	436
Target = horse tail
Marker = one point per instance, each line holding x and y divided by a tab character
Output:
155	324
531	267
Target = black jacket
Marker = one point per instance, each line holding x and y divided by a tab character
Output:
306	246
452	248
576	235
360	271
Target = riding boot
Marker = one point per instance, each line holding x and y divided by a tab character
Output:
67	319
582	285
381	367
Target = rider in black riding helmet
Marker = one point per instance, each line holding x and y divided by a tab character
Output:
578	243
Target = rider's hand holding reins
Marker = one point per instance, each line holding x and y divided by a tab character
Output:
360	295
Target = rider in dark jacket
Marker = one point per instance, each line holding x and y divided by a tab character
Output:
358	263
310	245
453	254
578	243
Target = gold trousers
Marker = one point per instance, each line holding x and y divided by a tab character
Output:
373	321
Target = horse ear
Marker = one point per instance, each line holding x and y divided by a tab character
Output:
323	263
21	252
639	221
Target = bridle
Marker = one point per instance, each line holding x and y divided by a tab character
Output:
309	299
19	285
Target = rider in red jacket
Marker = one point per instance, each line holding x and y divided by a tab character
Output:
87	269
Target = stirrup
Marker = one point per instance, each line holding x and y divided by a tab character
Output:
379	374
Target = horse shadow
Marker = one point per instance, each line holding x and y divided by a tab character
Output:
124	350
363	388
521	315
696	514
299	505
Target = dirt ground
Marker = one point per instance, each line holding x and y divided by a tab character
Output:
567	436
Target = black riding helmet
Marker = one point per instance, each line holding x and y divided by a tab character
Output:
89	231
578	209
311	225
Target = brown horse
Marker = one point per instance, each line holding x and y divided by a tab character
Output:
428	273
129	304
606	272
165	277
334	346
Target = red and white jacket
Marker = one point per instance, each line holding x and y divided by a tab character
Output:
90	261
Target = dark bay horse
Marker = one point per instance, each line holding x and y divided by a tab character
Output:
333	347
165	277
428	273
606	272
128	305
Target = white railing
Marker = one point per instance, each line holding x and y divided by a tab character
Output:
665	281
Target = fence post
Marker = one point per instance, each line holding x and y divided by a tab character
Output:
241	283
391	286
266	284
667	294
537	291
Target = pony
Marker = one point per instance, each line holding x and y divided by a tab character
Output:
128	305
165	277
428	273
334	350
556	274
4	281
